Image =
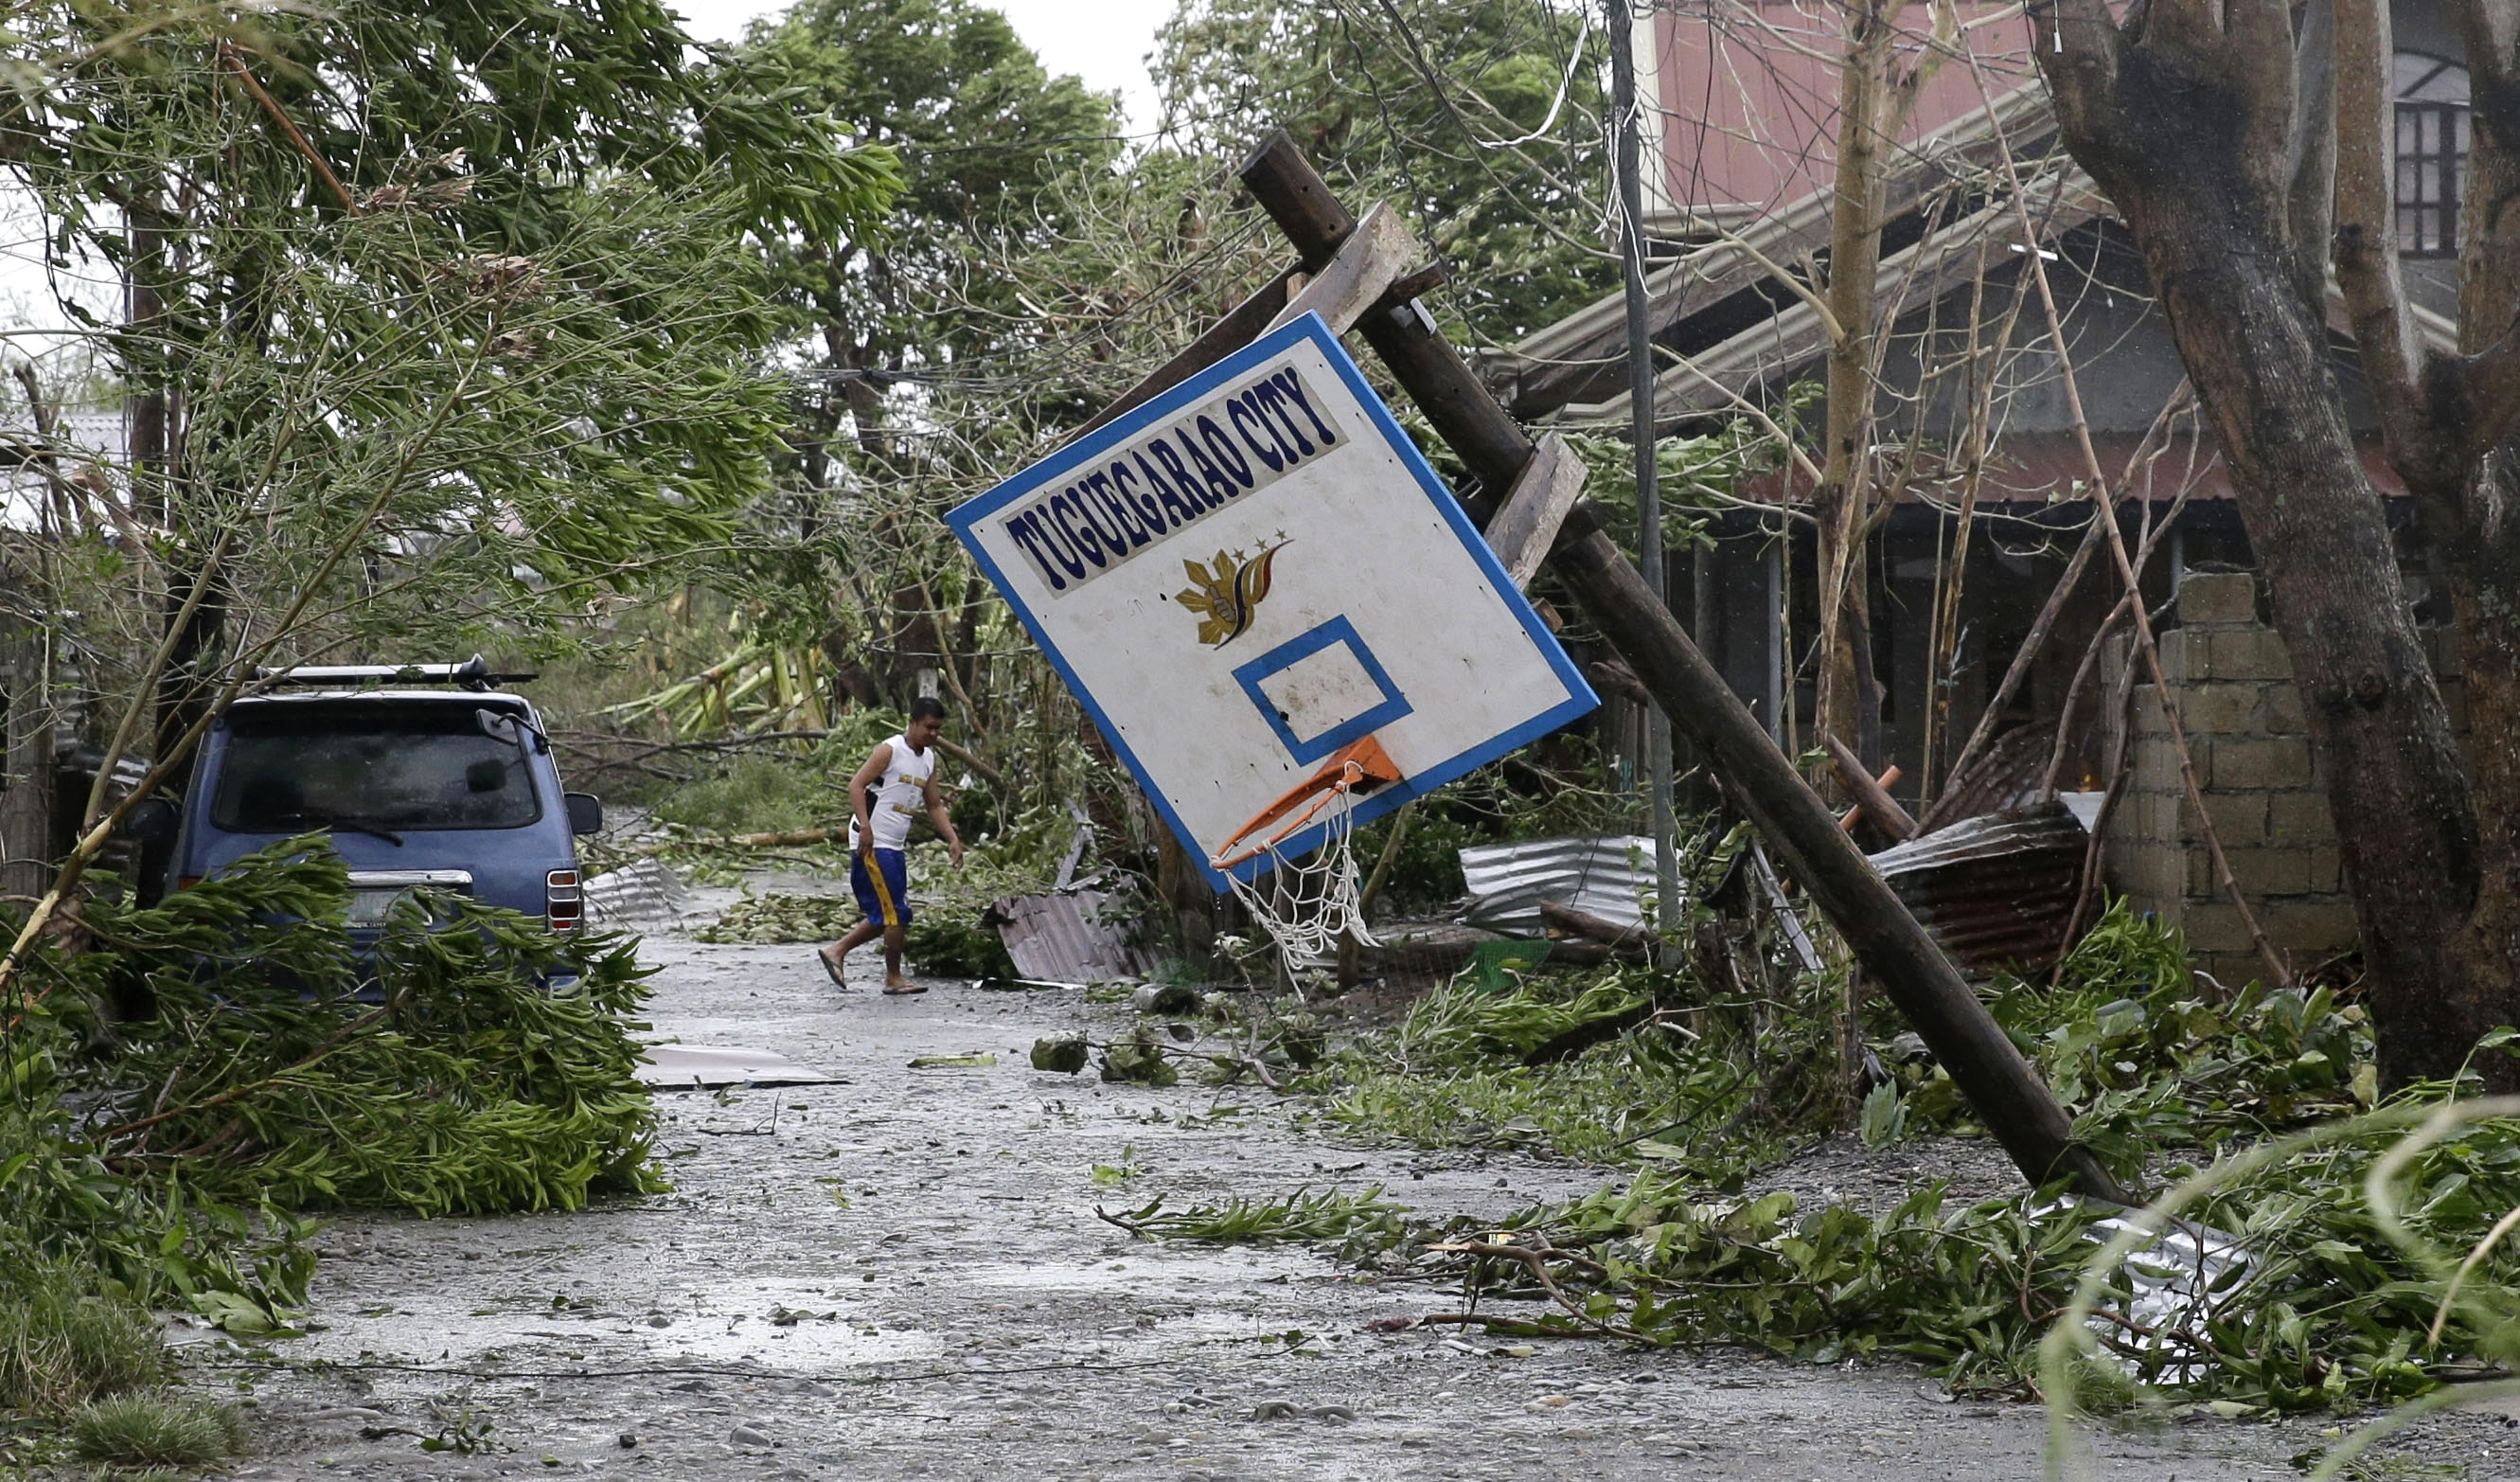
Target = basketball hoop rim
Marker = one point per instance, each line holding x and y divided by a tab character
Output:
1357	770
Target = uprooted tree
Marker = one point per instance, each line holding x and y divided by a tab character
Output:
2239	139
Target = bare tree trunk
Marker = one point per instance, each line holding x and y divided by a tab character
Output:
145	357
1841	503
2484	601
26	792
1877	97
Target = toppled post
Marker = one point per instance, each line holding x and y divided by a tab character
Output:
1893	947
1871	793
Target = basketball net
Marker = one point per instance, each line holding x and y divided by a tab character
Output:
1308	905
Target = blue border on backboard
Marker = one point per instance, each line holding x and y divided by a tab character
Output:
1338	630
964	518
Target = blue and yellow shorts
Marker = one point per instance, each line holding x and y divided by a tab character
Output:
884	892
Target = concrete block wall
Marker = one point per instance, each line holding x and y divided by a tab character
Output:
2231	680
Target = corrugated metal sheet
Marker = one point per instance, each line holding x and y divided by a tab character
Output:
2007	774
1602	877
642	893
1073	936
1994	890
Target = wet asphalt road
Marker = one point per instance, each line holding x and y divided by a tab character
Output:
901	1275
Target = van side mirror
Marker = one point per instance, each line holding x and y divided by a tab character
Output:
585	813
151	820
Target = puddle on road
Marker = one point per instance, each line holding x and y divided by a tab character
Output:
811	1343
1148	1274
738	1328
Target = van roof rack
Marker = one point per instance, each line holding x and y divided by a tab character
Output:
472	674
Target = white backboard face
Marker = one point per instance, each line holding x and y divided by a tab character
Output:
1256	569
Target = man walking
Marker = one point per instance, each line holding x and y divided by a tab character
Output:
897	781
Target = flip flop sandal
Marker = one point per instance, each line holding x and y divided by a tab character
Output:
905	991
832	968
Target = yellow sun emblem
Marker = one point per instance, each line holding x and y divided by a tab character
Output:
1227	593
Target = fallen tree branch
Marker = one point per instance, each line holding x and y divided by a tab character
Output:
1538	1268
788	839
591	743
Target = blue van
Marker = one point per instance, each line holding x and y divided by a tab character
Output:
451	787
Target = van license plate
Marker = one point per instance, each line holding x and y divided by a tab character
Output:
368	908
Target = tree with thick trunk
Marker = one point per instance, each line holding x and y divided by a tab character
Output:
2230	134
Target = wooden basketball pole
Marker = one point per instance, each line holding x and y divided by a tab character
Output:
1759	778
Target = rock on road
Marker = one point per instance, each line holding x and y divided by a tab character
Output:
901	1276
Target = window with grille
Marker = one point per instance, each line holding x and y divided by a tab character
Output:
2431	154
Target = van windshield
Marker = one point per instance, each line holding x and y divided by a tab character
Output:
291	768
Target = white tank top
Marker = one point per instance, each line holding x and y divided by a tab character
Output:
900	795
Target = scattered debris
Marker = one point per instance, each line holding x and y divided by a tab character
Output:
980	1061
1071	936
783	917
1500	965
1064	1053
645	892
1626	941
1360	1220
1139	1060
1165	999
2175	1280
1440	948
703	1067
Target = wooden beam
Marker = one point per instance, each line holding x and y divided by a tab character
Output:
1758	777
1543	497
1373	257
1869	793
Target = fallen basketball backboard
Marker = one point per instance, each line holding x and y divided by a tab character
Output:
1255	575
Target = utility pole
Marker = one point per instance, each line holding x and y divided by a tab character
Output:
1759	778
1625	127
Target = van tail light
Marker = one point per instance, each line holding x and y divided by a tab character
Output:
564	901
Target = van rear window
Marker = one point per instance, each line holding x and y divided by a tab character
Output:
290	769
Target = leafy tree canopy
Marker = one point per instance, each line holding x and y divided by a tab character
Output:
442	306
1479	119
981	129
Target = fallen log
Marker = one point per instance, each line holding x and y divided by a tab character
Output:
785	839
1627	941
